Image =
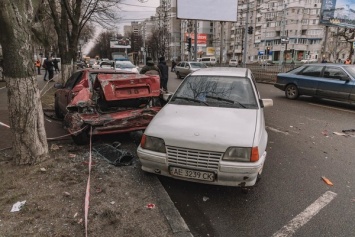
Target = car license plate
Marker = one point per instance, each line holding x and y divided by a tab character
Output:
192	174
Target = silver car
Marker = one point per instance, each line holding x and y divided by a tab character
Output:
183	69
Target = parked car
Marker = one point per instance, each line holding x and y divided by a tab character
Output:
96	65
107	100
211	131
80	65
183	69
265	62
107	64
330	81
233	63
127	66
309	60
209	61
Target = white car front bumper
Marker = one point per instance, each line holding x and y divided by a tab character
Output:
227	174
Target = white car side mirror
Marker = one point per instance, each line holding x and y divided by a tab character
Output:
267	102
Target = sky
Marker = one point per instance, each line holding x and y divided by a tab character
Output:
130	10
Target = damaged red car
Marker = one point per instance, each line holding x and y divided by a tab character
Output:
108	101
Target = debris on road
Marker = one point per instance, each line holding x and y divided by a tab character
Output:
327	181
43	169
17	206
325	133
150	206
349	132
205	199
54	147
339	133
115	156
66	194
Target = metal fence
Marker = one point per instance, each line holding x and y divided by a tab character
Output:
268	73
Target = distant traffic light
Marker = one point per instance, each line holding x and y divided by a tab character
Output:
250	30
189	44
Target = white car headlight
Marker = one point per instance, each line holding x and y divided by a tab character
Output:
243	154
153	144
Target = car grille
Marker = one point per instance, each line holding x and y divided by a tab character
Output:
193	158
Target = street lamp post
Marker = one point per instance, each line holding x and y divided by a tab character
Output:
245	37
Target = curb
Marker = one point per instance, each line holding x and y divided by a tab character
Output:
172	215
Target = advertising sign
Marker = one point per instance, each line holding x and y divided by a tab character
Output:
339	13
211	10
123	43
210	51
201	39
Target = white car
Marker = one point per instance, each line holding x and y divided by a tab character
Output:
126	66
211	131
95	65
107	65
233	63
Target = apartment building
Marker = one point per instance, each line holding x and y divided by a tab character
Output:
277	30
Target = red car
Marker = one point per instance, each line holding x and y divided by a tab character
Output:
108	101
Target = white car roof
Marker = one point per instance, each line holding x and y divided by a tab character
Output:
223	71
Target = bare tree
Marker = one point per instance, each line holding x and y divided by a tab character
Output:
24	104
70	17
348	36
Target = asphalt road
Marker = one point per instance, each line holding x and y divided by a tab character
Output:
291	199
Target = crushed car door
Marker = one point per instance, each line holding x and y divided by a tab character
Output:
65	93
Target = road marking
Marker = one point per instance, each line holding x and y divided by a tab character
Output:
330	107
276	130
306	215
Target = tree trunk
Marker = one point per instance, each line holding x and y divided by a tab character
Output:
26	120
25	108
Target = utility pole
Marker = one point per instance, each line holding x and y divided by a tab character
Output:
324	44
282	51
144	49
195	41
221	45
245	37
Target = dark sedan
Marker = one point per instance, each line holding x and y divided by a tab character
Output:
329	81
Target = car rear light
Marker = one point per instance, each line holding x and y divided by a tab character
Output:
254	154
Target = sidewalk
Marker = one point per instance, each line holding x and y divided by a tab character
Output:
120	197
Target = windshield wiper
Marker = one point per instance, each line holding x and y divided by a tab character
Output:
191	99
225	100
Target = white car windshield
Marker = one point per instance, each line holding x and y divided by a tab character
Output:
198	65
216	91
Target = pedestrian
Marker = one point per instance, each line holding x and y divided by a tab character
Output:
173	64
164	70
150	68
38	66
55	63
347	61
50	68
44	65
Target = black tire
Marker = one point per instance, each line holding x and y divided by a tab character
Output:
291	92
58	113
83	138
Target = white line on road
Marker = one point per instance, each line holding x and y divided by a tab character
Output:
330	107
276	130
306	215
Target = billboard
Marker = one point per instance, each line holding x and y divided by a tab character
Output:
210	51
201	39
211	10
339	13
122	43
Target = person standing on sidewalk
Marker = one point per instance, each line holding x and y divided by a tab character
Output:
55	62
38	66
49	66
150	68
44	65
164	70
